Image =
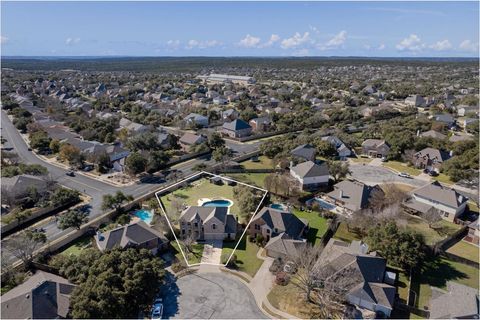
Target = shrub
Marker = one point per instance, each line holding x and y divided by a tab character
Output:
260	240
178	266
281	278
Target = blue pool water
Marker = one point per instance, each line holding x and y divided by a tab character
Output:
217	203
323	204
277	206
144	215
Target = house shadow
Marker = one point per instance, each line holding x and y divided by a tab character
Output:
170	293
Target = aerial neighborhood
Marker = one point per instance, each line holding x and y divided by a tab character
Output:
298	188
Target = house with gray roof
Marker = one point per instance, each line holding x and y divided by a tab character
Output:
457	302
415	101
133	235
304	152
342	150
189	139
282	230
310	175
430	159
375	148
19	186
351	195
433	134
364	276
196	119
447	201
42	296
237	129
260	124
207	223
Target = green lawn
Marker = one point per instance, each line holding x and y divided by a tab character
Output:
402	167
246	252
193	258
443	179
345	235
402	283
465	250
318	225
78	245
436	272
361	160
262	163
256	179
439	230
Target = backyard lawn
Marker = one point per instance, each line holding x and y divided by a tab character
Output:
78	245
465	250
193	258
436	272
246	252
318	225
439	230
256	179
345	235
402	167
262	163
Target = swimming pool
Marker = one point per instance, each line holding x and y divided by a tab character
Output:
217	203
277	206
324	204
144	215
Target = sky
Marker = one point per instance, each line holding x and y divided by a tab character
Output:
376	29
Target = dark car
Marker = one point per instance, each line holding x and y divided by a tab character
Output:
426	171
433	173
70	173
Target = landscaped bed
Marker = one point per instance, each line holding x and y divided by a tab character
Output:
317	225
193	258
246	253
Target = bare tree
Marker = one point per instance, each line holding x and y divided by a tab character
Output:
188	244
24	245
307	270
432	216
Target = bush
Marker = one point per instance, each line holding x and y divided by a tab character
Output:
178	266
281	278
251	238
260	240
233	261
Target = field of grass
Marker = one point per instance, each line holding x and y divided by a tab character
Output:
361	160
193	258
256	179
465	250
443	179
318	225
403	288
439	230
437	272
246	253
345	235
262	163
78	245
402	167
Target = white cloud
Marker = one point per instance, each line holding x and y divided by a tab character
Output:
249	41
441	45
72	41
337	40
367	46
467	45
202	44
3	39
273	39
412	43
173	44
295	41
381	47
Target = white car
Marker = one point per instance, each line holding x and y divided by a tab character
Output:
157	309
404	175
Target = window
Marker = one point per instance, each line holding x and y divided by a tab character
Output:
268	230
196	224
183	231
446	214
214	226
276	230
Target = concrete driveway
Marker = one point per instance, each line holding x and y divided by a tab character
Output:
212	252
209	296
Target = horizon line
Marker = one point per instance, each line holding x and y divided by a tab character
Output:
233	56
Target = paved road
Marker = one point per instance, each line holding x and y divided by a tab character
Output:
209	296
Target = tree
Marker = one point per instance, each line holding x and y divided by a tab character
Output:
338	170
432	216
39	140
73	219
55	145
71	154
63	196
114	202
24	245
157	161
307	270
115	284
215	141
103	162
325	148
404	249
222	154
247	199
136	163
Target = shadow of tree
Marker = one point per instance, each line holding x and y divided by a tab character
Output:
170	293
436	271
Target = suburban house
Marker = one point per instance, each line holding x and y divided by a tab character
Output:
283	232
350	195
463	110
342	150
19	186
261	124
133	235
190	139
375	148
116	154
208	223
133	127
449	202
304	152
433	134
230	114
165	140
369	286
447	119
457	302
196	120
473	235
310	175
430	159
42	296
415	101
237	128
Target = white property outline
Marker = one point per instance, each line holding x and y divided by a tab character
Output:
244	231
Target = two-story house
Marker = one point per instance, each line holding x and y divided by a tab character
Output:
207	223
237	129
310	175
430	159
375	148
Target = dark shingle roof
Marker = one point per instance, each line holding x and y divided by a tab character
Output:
311	169
305	151
236	125
281	221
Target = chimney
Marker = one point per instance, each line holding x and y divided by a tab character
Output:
460	198
291	164
341	193
451	153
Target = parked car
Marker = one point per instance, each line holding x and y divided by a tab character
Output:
433	173
157	309
404	175
70	173
29	149
426	171
384	159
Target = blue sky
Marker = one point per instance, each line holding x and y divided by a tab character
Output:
389	29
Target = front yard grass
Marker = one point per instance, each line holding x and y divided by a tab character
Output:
437	272
345	235
246	253
439	230
402	167
317	225
443	178
465	250
193	258
361	160
262	163
77	246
